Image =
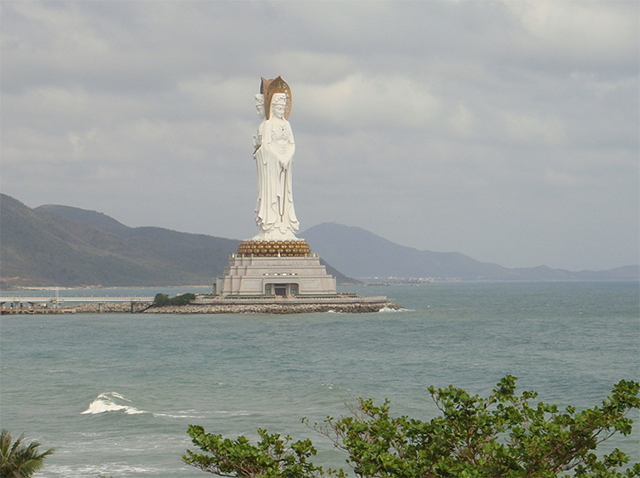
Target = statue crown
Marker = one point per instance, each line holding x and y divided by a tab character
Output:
269	88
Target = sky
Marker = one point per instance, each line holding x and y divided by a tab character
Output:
504	130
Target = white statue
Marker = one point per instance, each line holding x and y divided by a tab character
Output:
257	142
274	149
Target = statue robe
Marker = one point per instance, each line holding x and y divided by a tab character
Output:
275	214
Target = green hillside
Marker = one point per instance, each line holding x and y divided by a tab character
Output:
63	246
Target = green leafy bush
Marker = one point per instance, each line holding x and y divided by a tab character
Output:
502	435
163	299
182	299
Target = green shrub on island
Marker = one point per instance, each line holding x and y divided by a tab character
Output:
163	299
499	436
20	460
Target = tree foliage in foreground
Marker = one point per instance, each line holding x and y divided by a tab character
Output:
19	460
503	435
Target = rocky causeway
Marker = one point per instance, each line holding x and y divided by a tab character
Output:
149	308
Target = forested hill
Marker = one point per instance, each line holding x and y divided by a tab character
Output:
64	246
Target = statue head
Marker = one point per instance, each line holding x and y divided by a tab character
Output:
260	111
278	105
275	87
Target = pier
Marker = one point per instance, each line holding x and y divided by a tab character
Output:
53	305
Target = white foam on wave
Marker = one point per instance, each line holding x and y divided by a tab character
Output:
109	402
81	471
386	310
179	415
236	413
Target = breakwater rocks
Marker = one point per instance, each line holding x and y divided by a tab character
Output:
275	308
109	308
353	308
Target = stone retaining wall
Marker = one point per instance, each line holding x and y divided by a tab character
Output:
107	307
353	308
272	308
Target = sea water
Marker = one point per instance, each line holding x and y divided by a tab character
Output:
115	393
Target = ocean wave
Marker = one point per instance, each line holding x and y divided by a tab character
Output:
333	386
81	471
111	402
237	413
179	415
386	310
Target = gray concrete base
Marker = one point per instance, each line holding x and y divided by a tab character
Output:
275	276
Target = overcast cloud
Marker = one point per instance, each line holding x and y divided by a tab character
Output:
505	130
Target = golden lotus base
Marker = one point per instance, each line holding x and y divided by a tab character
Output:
274	248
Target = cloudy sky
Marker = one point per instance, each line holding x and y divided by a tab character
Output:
505	130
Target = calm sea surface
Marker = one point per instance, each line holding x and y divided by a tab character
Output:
114	393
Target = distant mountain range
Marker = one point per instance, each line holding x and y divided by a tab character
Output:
67	246
359	253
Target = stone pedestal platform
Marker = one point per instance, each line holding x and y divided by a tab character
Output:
275	268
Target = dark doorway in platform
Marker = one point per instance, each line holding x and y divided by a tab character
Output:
281	290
